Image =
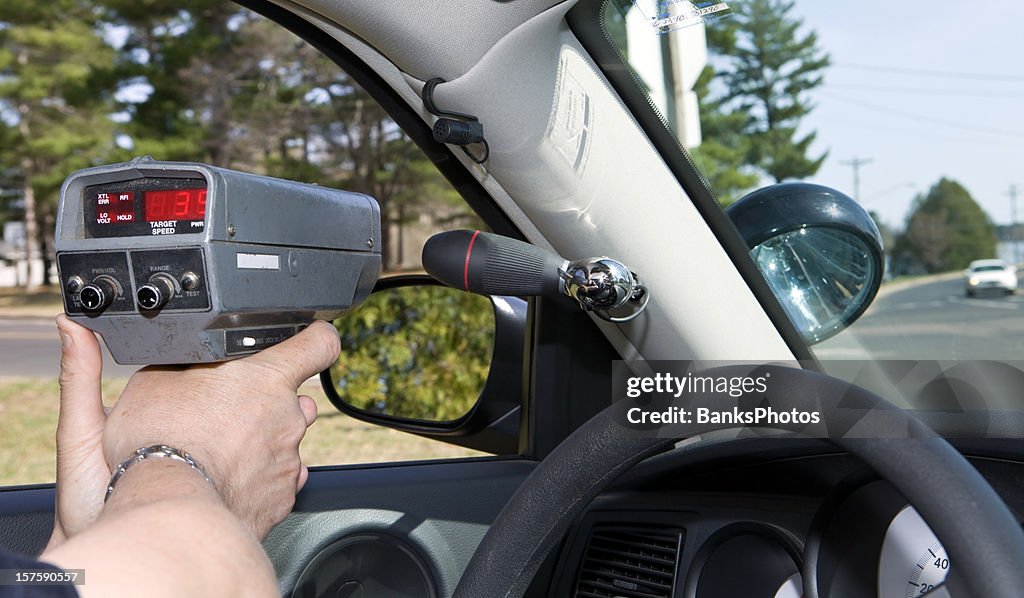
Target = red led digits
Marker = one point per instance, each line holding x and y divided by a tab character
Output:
175	204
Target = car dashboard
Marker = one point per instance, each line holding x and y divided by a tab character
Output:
748	518
718	517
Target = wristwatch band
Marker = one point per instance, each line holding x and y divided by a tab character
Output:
157	451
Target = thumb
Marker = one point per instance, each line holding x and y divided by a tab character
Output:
81	367
304	355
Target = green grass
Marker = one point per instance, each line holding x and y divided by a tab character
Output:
28	420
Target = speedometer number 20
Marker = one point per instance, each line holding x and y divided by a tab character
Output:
929	571
912	562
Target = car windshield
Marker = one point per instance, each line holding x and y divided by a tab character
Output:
911	111
988	269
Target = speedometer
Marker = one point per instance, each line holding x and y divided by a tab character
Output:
791	588
913	562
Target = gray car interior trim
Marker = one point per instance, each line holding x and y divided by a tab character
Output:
441	509
444	38
525	90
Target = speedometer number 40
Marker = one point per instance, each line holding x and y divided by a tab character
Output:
929	571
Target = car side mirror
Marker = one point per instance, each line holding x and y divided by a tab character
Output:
428	359
819	250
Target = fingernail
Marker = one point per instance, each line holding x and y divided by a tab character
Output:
65	338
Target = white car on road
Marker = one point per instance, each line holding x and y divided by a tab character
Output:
983	275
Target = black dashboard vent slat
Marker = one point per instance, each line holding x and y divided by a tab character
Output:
629	562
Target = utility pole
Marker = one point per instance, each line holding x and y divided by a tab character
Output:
1013	225
855	164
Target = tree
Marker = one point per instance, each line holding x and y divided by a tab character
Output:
52	66
188	52
276	103
236	90
886	232
769	66
946	230
374	156
721	156
416	352
218	84
927	241
10	177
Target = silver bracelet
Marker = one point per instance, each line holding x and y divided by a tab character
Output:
157	451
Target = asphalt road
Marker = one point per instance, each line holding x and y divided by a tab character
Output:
30	348
934	320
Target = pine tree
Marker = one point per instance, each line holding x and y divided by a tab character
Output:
770	66
721	155
52	67
188	52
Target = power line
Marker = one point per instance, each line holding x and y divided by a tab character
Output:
916	129
890	189
977	93
931	73
937	121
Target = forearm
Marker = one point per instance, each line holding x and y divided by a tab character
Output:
165	531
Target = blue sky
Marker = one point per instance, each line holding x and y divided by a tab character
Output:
918	127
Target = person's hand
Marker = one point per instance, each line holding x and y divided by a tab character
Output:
82	471
241	420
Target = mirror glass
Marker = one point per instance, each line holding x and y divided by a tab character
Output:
822	276
415	352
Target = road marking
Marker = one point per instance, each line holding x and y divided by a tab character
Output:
842	353
913	305
986	303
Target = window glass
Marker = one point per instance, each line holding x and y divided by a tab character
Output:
416	352
910	110
87	83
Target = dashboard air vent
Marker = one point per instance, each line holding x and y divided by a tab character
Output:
629	562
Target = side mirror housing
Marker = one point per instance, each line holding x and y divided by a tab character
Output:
819	250
434	361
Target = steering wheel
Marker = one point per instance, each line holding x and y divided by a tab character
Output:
977	529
